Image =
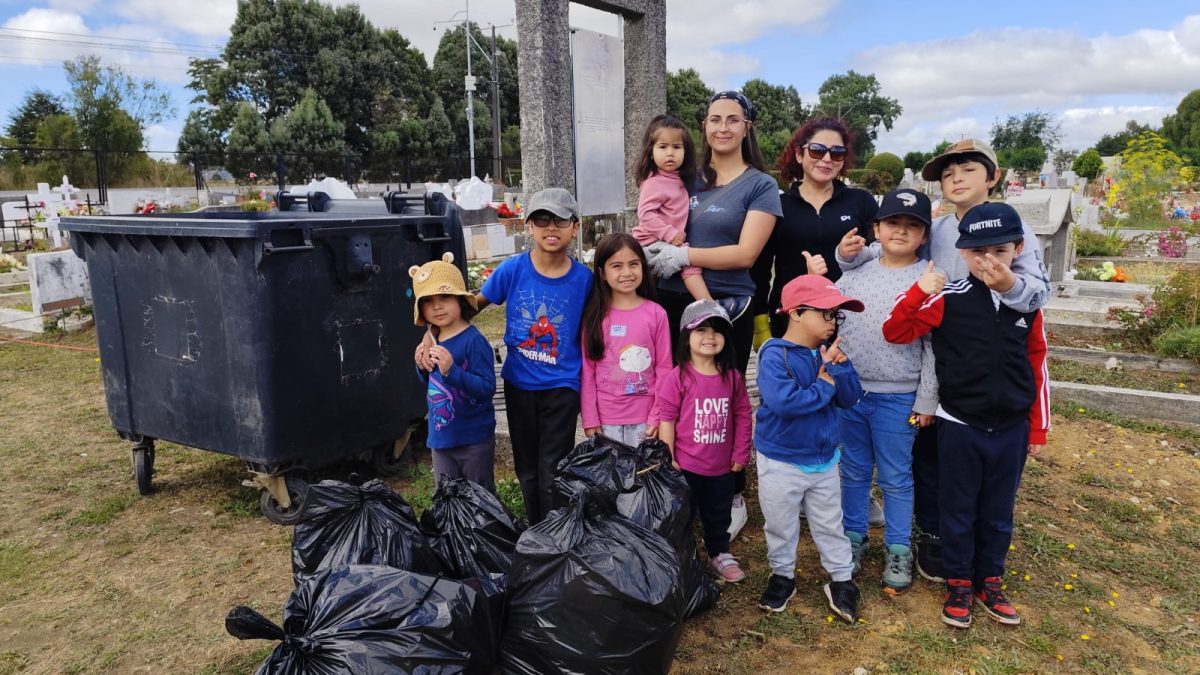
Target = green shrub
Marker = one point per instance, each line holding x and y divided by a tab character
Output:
1106	243
886	161
1174	306
1089	164
256	205
1181	343
856	175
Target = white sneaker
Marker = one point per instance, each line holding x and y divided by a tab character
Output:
737	517
875	513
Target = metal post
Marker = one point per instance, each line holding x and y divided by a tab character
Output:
497	166
199	176
470	90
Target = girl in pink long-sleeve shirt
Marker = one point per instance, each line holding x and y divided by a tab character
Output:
626	345
705	413
665	170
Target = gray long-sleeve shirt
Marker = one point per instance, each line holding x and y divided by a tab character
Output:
1029	293
885	368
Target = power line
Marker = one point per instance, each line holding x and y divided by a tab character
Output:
106	37
96	44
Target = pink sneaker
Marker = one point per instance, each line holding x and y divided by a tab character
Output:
727	568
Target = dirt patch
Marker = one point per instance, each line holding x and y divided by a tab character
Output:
94	579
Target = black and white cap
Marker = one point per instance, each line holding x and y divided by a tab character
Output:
988	224
906	202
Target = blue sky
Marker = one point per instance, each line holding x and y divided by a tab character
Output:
954	68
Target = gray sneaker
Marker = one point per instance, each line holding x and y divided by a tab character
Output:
858	546
875	513
897	569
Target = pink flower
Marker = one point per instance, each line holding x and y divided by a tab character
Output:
1148	312
253	175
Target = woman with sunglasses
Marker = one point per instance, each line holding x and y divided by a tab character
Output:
818	209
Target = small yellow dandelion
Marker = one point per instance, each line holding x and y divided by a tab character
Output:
1129	471
1087	610
1116	464
1070	547
1068	587
829	619
1116	594
1111	603
1083	410
1013	573
1085	636
862	620
1027	577
1058	656
97	360
1074	576
1181	385
1011	547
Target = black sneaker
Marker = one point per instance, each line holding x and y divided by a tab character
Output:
780	589
843	599
928	549
956	608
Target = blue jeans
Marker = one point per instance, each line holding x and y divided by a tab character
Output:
876	432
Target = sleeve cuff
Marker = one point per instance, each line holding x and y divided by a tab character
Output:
1037	437
925	406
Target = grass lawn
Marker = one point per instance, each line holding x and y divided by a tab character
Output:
1105	563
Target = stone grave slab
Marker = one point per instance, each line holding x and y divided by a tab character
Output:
56	280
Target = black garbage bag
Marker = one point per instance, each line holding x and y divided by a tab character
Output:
590	591
364	619
660	500
348	524
599	465
472	532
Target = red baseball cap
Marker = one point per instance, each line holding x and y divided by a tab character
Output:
817	292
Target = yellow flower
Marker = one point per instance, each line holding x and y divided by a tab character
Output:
1026	577
1004	587
1129	471
1074	576
1068	587
1070	547
862	620
1116	464
1083	410
1111	603
1087	610
1182	385
1085	636
1013	573
829	619
1116	594
1011	547
1058	656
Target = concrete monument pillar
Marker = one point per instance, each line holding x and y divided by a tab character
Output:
544	64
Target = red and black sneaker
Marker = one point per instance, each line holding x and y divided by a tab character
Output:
991	596
956	610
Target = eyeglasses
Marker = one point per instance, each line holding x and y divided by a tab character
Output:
542	220
817	150
730	122
829	315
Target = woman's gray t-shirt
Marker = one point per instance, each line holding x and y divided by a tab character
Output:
721	225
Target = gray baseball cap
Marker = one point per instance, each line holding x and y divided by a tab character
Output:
555	200
700	311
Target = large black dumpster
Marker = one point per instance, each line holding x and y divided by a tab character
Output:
284	339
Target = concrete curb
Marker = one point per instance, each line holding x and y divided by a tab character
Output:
1132	403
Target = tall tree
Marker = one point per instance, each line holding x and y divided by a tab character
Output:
24	121
105	100
1183	128
249	146
686	97
310	137
780	112
199	135
1112	144
1032	129
449	69
857	99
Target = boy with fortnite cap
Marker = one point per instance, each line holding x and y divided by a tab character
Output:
899	388
994	410
545	291
801	378
968	171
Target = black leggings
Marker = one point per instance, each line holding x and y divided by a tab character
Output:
743	339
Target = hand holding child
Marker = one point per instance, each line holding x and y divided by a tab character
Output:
815	263
851	244
933	281
924	420
995	274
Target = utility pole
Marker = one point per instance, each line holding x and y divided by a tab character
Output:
497	165
469	84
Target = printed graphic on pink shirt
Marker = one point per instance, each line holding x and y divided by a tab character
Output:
712	420
634	362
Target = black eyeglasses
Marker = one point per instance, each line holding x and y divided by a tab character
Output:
830	315
547	219
817	150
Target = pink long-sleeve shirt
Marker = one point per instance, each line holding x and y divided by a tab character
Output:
620	387
663	203
712	419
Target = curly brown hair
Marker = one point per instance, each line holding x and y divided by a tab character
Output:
789	167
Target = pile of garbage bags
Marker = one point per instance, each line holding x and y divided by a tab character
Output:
602	585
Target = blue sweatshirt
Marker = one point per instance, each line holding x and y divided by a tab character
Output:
460	404
796	422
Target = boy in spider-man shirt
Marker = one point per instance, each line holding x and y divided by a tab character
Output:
995	405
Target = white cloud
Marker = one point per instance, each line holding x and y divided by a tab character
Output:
991	74
162	137
208	18
33	48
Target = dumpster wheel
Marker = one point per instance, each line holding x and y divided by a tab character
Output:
390	459
143	466
296	496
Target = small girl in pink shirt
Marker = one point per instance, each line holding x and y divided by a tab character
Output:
665	170
626	345
705	419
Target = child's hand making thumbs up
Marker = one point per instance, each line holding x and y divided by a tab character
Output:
933	281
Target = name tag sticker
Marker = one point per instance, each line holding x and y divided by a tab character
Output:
616	331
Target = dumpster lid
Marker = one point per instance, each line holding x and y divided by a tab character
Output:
236	225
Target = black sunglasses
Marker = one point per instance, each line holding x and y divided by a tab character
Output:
547	219
835	315
817	150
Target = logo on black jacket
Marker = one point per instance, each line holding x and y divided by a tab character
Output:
1021	323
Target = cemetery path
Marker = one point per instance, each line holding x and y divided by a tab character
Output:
95	579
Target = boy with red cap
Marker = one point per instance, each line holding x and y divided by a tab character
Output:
994	406
801	378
